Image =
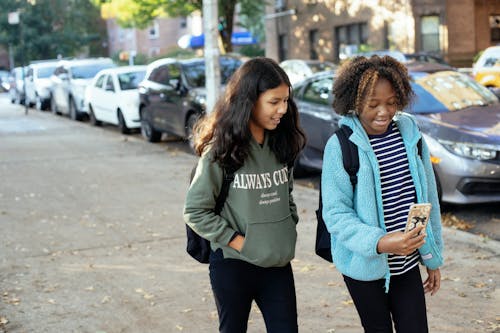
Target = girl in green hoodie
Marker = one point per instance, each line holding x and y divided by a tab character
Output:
254	132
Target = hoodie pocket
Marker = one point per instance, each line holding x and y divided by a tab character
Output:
270	243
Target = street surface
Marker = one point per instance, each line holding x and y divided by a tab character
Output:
93	241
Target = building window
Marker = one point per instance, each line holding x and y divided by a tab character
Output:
430	33
282	47
154	31
349	38
495	29
313	44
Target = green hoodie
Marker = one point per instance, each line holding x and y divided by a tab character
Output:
259	206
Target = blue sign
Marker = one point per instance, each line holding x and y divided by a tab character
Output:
237	38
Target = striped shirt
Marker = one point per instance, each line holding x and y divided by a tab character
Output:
398	190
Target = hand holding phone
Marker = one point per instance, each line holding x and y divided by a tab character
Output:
418	215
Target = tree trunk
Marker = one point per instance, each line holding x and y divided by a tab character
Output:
226	32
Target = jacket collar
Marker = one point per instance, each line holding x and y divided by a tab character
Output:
405	122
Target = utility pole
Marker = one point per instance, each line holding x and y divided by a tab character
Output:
14	19
211	50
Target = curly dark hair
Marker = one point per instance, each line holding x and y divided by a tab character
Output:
356	79
226	130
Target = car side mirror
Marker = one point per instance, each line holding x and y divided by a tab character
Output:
64	76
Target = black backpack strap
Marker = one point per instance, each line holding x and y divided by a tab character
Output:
227	179
226	182
419	147
350	156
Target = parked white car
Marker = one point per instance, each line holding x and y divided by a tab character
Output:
16	84
112	97
38	83
299	69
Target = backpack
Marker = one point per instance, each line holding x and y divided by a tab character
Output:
197	246
350	160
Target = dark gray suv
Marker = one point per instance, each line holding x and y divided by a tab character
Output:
173	95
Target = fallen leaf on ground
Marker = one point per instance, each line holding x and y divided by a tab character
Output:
452	221
308	268
148	296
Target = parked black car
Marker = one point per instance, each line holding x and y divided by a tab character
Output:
173	95
459	119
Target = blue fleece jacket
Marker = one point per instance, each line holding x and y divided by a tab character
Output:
355	217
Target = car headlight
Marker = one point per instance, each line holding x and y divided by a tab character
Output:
471	150
200	100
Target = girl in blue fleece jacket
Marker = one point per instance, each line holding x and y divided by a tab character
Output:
378	260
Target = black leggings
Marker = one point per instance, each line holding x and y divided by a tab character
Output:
236	284
405	302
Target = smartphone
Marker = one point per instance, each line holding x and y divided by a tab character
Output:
418	215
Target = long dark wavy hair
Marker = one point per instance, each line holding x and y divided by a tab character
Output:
226	130
356	80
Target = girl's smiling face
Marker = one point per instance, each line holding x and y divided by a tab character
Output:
379	108
268	110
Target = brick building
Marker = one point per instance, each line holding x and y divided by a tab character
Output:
159	38
330	29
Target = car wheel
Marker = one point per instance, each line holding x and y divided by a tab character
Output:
38	103
53	105
30	103
122	125
148	132
73	112
193	118
93	120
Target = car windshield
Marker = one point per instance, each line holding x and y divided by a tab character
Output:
45	72
448	91
195	71
130	80
87	71
321	66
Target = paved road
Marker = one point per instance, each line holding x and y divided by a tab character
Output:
93	241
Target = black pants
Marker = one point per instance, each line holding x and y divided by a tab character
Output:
405	302
236	284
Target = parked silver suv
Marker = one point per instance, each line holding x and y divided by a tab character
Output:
69	81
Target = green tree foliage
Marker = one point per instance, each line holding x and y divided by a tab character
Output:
140	13
50	28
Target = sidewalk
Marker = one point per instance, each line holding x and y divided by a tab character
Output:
93	241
